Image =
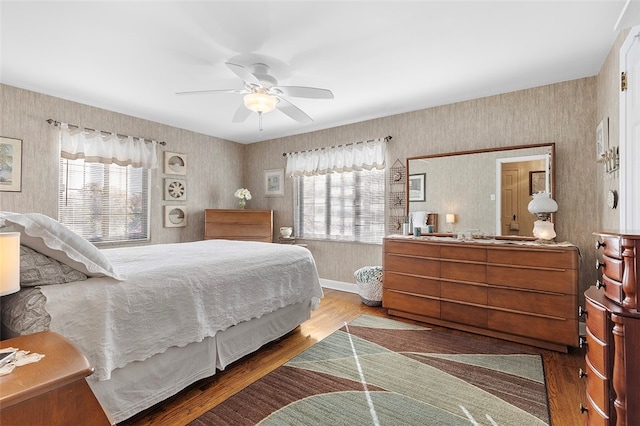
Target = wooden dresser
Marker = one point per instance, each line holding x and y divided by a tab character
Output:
247	225
520	292
613	334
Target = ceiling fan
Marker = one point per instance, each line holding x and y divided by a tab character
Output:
262	94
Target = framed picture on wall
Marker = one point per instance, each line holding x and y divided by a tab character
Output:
175	216
10	164
174	163
416	187
602	134
274	183
537	182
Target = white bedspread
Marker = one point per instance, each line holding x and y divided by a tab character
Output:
176	294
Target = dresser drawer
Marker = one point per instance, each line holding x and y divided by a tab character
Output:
412	265
597	321
612	268
611	246
411	247
597	353
551	280
411	284
464	314
463	271
552	304
598	389
548	329
613	289
463	253
464	292
544	258
595	417
412	303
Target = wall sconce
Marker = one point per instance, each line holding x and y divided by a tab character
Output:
542	205
450	218
9	262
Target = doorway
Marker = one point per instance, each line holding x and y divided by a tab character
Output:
516	179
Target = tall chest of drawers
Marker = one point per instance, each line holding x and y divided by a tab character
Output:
613	333
516	291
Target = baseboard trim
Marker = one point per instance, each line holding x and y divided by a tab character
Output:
338	285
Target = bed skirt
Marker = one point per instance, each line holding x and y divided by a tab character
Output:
142	384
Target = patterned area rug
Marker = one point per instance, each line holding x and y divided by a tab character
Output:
377	371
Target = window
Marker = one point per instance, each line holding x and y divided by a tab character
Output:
346	206
104	202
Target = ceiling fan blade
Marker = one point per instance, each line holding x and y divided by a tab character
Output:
244	73
242	113
293	111
304	92
203	92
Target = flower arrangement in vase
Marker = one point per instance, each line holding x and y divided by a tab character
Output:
244	195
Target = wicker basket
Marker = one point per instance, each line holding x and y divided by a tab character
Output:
369	281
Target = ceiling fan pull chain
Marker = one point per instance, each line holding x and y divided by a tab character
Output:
260	120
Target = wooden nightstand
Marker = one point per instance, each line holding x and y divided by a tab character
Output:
52	391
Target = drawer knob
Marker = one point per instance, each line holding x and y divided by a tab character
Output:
582	374
583	409
582	312
599	264
600	284
582	342
599	244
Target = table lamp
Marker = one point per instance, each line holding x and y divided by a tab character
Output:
9	262
450	219
542	205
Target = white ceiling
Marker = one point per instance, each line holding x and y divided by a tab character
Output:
379	58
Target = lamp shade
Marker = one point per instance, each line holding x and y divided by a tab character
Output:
451	218
542	203
260	102
9	262
543	229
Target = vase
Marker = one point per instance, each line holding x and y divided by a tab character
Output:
243	203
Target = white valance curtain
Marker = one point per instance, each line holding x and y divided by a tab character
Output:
344	158
96	147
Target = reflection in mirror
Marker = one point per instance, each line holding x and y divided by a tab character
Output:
487	190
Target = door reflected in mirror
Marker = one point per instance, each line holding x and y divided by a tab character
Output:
487	190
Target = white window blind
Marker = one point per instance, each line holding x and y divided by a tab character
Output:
345	206
339	192
104	184
104	202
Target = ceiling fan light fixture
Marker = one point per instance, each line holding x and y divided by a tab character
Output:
260	102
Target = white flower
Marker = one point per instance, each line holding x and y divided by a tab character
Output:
243	193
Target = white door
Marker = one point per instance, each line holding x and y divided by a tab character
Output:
630	133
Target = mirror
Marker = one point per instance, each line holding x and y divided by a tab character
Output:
483	191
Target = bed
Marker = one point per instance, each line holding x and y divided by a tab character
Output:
154	319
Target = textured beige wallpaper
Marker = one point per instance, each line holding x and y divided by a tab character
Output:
214	166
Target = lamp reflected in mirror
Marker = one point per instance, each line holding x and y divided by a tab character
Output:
450	219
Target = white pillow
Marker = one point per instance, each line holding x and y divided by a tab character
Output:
53	239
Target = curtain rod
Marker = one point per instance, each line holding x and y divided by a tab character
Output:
284	154
104	132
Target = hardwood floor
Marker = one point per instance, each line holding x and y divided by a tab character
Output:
565	388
